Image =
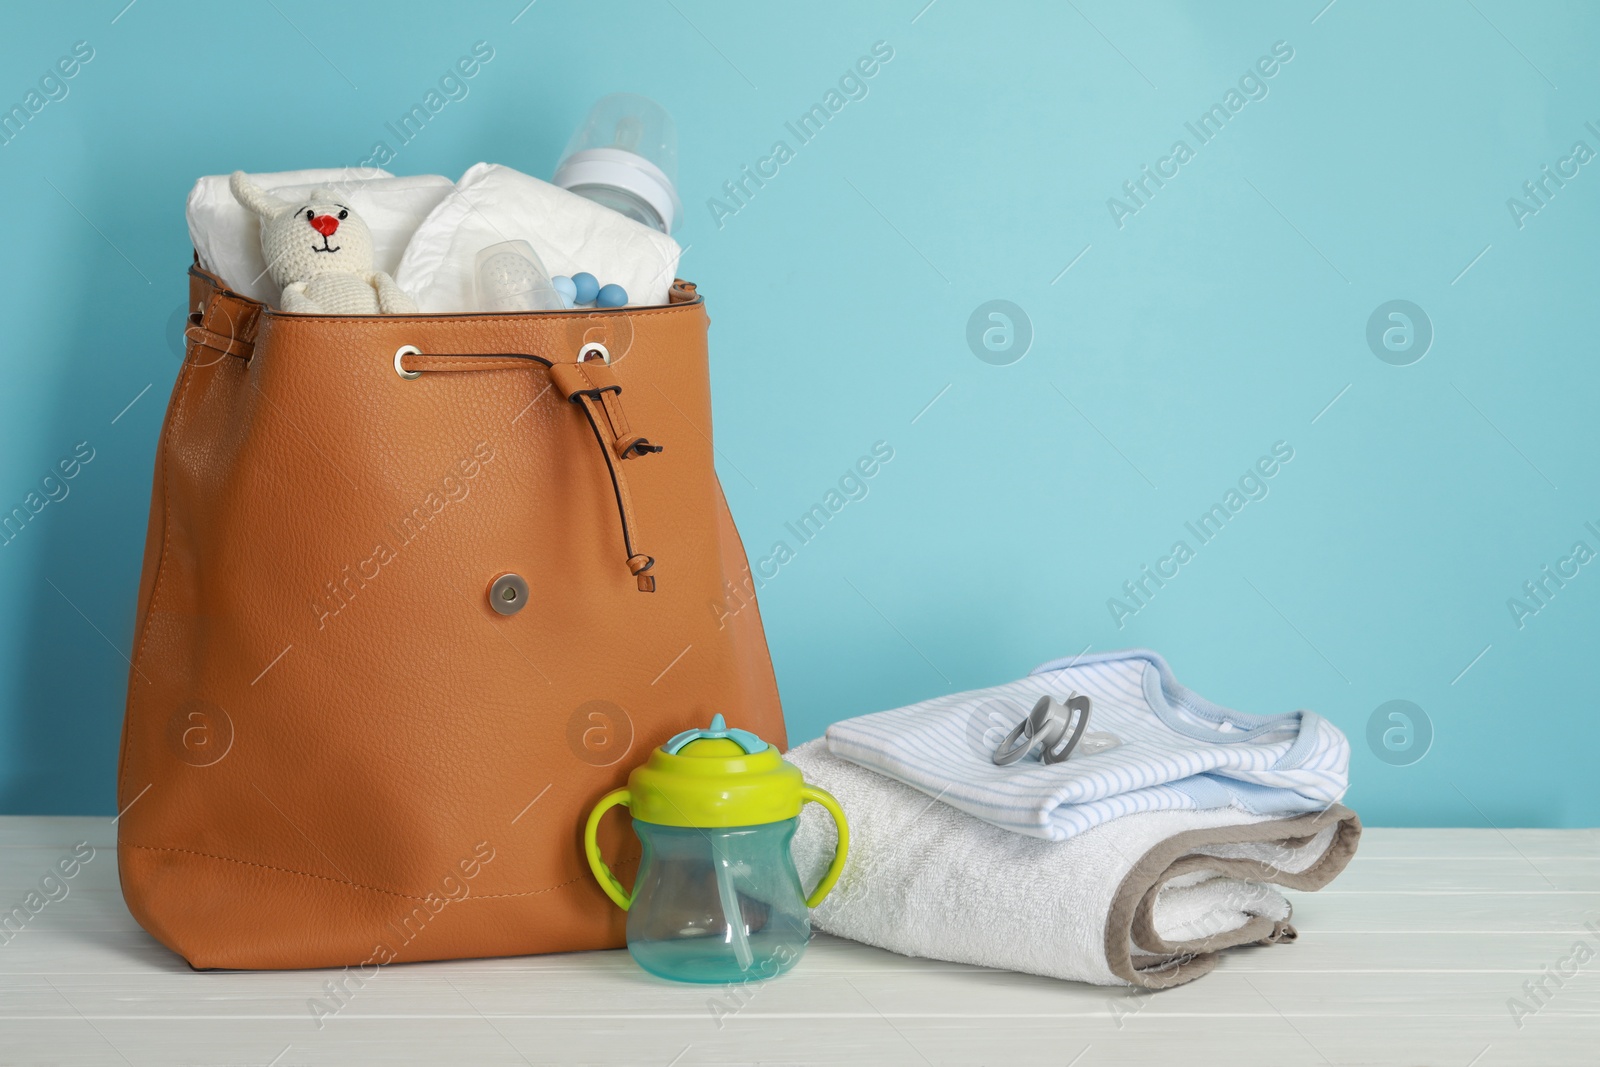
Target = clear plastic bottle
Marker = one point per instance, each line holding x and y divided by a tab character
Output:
510	276
625	157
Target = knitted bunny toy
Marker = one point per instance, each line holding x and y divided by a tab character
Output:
320	254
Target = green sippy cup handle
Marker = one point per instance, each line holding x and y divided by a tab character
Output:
823	797
591	848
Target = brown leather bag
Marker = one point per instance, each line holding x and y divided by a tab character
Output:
347	740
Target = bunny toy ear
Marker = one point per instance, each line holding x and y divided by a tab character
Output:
256	198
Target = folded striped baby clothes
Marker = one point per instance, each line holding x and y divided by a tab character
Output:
1176	750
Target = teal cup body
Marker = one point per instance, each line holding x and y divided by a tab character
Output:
717	904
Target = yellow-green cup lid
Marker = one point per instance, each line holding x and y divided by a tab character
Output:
715	777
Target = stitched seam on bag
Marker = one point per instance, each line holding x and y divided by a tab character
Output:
355	885
670	309
166	539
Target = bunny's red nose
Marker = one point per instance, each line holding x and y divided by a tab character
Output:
325	225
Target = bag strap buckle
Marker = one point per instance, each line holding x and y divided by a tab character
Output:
590	383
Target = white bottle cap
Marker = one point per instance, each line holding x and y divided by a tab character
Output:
627	143
628	171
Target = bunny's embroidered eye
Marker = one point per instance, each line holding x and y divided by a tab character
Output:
344	213
310	214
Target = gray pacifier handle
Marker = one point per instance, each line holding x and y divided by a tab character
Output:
1044	725
1051	754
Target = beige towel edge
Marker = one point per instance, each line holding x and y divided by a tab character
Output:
1129	919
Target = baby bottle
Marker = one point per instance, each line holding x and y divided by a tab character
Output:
625	156
717	897
510	276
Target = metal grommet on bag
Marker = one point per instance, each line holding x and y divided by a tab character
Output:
594	348
401	353
508	593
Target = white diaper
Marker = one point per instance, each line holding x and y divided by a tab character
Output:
493	203
227	236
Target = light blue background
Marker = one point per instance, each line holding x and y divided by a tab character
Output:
1223	317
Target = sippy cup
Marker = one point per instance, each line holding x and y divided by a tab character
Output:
717	897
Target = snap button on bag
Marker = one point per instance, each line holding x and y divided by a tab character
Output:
508	593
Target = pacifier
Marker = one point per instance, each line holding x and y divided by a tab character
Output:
1056	726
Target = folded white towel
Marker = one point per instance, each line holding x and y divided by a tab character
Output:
1147	899
228	237
1177	750
492	204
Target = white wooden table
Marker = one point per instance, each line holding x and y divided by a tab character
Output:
1409	959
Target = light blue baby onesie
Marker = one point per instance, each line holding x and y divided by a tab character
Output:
1177	750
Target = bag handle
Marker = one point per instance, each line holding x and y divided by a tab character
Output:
221	323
